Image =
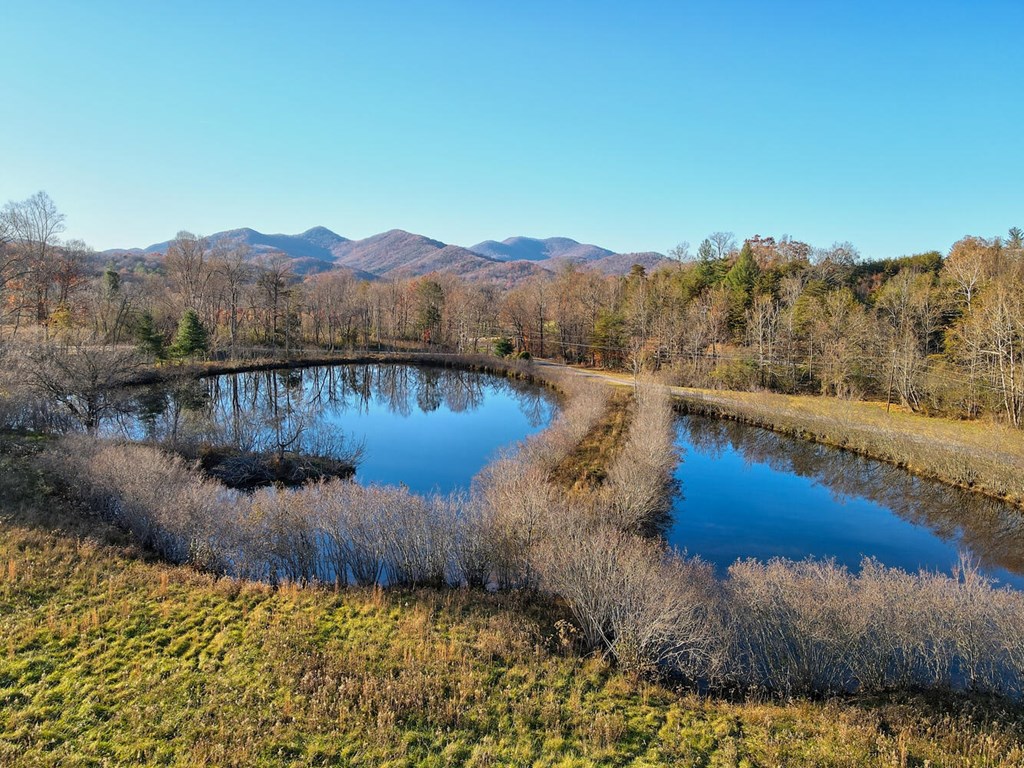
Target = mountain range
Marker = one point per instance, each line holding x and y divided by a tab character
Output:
398	253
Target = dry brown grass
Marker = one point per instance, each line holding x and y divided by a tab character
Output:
586	466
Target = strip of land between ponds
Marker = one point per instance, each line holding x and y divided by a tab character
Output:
980	456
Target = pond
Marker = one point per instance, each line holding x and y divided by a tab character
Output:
426	427
748	492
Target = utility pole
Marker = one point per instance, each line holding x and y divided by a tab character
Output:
892	376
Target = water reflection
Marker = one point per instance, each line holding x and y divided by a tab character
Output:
421	426
751	492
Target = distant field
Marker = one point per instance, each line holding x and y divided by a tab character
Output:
110	658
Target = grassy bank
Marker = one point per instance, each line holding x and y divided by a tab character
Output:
111	658
587	465
982	456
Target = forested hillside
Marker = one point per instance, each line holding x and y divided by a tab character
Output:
940	333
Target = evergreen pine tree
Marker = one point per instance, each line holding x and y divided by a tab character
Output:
705	251
111	282
744	272
503	347
149	339
740	281
191	337
710	268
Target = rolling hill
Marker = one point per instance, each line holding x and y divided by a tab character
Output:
398	253
532	249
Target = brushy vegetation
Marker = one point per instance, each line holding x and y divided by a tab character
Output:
781	627
112	658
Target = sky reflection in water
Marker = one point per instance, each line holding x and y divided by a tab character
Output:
748	492
429	428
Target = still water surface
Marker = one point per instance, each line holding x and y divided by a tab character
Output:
429	428
743	491
748	492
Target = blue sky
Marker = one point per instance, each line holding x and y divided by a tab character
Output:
897	126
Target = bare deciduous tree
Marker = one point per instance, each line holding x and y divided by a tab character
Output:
724	243
85	381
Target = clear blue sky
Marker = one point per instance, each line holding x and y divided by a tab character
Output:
895	125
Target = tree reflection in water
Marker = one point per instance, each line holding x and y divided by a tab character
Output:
987	529
322	410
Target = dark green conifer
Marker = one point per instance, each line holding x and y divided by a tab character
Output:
149	339
191	338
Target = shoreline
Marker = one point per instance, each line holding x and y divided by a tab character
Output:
963	455
976	456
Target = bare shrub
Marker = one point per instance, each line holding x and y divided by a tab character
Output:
1008	616
932	630
789	624
21	406
474	541
367	562
328	504
417	545
87	382
514	498
157	497
639	485
649	608
20	410
588	401
348	522
896	629
813	627
972	632
283	535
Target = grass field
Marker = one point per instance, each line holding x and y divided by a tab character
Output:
110	658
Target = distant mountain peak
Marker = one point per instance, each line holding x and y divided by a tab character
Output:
319	230
535	249
398	252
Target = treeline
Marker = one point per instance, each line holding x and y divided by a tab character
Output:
200	300
936	333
